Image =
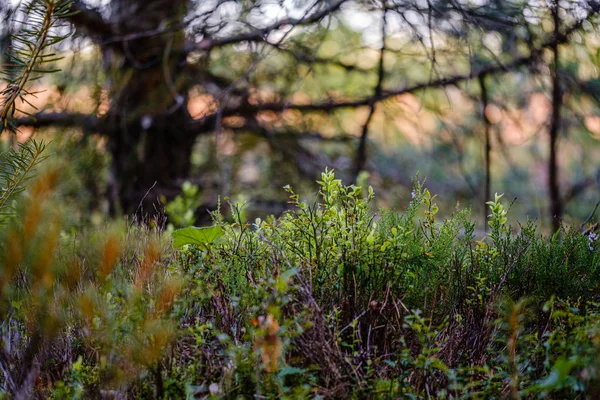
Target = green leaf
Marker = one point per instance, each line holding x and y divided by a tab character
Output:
560	372
198	236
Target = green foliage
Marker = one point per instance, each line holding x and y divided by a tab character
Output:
384	304
497	217
16	168
330	300
197	236
26	63
99	303
181	209
31	53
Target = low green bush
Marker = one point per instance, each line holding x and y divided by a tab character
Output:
388	304
330	300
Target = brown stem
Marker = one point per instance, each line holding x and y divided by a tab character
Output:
160	386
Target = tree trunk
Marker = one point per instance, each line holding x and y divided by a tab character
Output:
556	206
146	124
487	194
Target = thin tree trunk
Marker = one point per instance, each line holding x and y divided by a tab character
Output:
556	206
361	153
487	149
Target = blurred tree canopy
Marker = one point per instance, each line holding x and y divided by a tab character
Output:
494	93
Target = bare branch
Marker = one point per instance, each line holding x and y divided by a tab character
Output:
528	61
260	34
387	94
88	123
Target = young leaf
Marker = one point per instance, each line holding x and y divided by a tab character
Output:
198	236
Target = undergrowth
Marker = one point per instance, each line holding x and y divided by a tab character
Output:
330	300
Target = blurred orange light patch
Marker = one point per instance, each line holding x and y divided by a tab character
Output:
592	124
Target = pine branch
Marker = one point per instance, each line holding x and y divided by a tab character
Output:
30	53
26	62
16	169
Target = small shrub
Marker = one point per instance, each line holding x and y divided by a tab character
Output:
332	299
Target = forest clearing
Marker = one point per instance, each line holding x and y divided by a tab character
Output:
365	199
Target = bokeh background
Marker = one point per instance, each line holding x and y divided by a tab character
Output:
240	98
